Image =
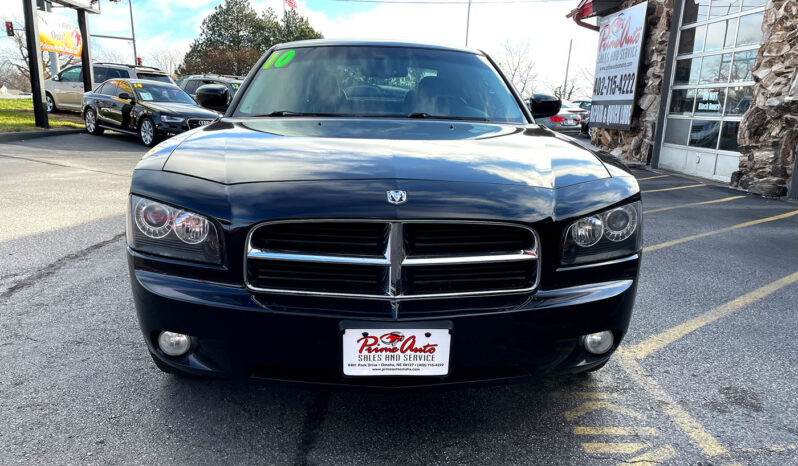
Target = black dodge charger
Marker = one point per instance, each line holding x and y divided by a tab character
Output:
149	109
380	214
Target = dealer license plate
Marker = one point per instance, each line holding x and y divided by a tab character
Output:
396	351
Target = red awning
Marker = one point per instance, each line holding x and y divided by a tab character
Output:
582	11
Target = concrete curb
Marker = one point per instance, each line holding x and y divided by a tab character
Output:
23	135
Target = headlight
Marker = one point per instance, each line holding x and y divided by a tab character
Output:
163	230
603	236
171	119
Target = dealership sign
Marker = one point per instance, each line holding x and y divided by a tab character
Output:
620	45
59	34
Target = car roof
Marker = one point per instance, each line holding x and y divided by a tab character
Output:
145	81
377	43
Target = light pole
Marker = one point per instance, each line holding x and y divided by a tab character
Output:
567	66
468	21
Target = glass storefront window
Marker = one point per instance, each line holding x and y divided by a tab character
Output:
704	133
709	101
728	135
715	69
723	8
743	66
695	10
739	100
676	131
692	40
687	71
720	35
750	32
750	4
682	101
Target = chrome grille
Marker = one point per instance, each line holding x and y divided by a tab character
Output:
392	260
196	122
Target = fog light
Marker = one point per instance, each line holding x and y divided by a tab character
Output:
599	343
174	344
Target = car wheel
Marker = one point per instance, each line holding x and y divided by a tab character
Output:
50	102
147	132
90	118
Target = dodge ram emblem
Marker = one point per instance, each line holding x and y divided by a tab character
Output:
397	196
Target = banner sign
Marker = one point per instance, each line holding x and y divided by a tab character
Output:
59	34
621	38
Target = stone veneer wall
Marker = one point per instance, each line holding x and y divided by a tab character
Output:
636	145
769	131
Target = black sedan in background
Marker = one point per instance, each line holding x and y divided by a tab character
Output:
149	109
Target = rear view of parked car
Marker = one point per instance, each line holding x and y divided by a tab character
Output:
149	109
190	84
64	91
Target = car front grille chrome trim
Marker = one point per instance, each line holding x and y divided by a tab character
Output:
393	260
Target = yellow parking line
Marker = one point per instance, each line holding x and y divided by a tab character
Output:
654	456
613	447
679	415
715	232
641	431
653	343
663	209
674	188
590	406
652	177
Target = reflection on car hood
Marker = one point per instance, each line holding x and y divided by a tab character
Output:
184	110
296	149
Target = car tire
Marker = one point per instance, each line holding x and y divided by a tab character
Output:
90	119
147	132
50	103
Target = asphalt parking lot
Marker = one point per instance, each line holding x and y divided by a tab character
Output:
707	374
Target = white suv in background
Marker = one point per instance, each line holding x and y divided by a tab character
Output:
64	91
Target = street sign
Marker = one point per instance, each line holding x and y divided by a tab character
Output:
621	38
59	34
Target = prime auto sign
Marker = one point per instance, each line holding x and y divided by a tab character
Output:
620	45
59	34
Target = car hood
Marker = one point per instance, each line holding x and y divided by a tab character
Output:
184	110
234	151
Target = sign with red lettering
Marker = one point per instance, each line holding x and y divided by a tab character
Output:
620	45
388	351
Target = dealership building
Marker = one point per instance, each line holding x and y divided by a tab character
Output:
717	91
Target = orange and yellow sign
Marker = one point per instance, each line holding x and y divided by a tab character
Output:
59	34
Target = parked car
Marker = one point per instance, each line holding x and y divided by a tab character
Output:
584	115
567	120
64	91
190	84
148	109
436	235
585	104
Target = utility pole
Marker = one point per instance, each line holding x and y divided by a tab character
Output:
133	33
35	63
468	21
567	66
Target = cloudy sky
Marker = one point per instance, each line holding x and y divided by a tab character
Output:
173	24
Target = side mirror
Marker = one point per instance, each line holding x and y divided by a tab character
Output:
56	77
544	105
213	96
124	96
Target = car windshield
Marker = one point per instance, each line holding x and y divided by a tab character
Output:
372	81
151	92
154	77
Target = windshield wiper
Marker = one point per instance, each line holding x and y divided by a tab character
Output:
290	113
444	117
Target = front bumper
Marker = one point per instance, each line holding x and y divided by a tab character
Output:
237	335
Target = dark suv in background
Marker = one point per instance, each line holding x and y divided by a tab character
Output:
190	84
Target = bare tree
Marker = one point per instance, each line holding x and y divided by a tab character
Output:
514	59
111	54
567	91
165	59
